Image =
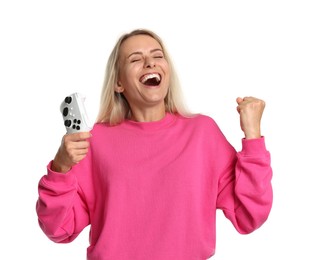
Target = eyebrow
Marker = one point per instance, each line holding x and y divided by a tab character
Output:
139	53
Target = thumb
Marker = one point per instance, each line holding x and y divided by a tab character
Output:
239	100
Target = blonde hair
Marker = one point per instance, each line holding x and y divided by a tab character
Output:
114	107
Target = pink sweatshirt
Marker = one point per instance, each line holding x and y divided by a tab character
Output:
150	191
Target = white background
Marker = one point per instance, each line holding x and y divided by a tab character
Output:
221	50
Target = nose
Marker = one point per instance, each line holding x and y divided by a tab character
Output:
149	62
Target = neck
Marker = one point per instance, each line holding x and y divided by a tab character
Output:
148	114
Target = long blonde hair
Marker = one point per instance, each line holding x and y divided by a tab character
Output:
114	107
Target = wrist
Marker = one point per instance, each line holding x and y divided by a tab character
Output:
252	133
252	136
58	167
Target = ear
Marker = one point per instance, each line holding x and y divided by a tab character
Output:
118	87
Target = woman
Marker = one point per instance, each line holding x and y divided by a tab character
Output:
149	177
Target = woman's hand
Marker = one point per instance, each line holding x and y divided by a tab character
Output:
251	111
72	150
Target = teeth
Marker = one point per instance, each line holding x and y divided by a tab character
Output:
150	76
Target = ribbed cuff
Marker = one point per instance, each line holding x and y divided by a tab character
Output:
253	146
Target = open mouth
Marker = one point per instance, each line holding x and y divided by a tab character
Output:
152	79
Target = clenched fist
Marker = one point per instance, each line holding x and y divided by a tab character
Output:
72	150
251	111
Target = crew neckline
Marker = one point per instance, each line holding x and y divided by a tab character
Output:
166	121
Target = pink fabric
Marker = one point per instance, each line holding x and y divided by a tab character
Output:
151	190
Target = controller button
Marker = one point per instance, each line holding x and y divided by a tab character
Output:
67	123
79	121
65	111
73	126
78	128
74	121
68	100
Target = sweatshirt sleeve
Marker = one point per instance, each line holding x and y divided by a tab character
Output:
61	207
245	190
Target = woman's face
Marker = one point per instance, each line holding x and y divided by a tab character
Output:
143	72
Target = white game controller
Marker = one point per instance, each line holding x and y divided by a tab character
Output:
74	114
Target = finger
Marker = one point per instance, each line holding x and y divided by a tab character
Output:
81	145
248	98
79	158
82	152
78	136
239	100
73	147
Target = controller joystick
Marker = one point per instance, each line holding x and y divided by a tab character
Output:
74	114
